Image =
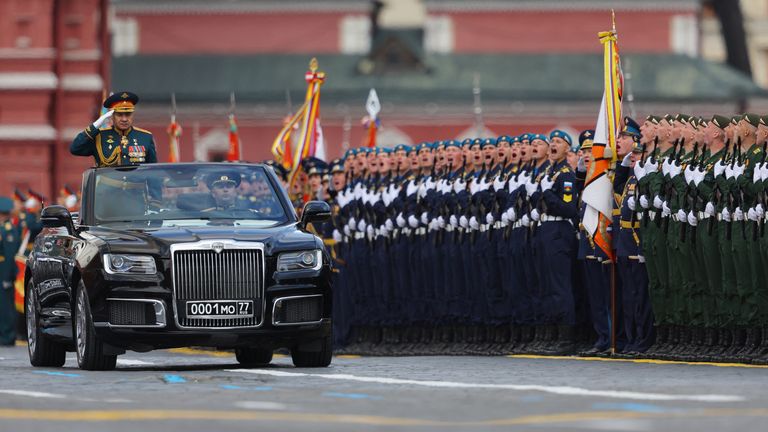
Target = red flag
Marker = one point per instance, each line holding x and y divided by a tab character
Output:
234	153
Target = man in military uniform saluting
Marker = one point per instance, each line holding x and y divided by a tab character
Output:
121	144
10	240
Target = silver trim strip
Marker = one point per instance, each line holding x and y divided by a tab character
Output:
281	299
209	245
159	314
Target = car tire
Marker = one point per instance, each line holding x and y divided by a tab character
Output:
90	350
43	352
303	356
253	356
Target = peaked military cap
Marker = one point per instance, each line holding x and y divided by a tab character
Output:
586	138
638	147
337	165
557	133
223	177
720	121
630	127
752	119
121	102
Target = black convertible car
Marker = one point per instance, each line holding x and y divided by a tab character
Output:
173	255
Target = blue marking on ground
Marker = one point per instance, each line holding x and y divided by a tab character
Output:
64	374
234	387
634	407
350	395
174	379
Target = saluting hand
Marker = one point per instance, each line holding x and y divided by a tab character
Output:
103	119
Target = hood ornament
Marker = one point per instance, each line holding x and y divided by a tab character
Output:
217	247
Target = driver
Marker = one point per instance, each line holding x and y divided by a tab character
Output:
224	191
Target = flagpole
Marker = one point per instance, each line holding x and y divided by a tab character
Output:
613	261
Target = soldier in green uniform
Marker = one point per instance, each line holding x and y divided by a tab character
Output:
10	238
121	144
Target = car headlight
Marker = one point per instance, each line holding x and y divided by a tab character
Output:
304	260
129	264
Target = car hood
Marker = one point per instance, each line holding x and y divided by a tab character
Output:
158	241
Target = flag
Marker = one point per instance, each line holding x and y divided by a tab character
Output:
598	189
373	107
174	134
310	133
234	153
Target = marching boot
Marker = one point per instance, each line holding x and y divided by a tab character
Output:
724	341
564	344
526	336
750	345
682	353
537	336
661	339
739	338
550	340
514	339
761	353
710	344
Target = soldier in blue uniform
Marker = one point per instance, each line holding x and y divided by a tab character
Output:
121	144
10	238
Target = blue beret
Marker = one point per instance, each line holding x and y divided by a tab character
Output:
404	147
437	144
557	133
424	145
467	141
538	136
349	152
526	136
503	138
488	142
6	205
515	139
452	143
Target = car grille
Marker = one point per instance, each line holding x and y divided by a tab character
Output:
131	313
298	310
230	274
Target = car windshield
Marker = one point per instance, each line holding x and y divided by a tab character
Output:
165	195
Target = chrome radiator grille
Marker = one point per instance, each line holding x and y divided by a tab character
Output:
201	273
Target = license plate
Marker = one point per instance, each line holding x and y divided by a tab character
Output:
216	309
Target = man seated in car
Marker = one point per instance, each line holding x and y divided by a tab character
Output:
223	186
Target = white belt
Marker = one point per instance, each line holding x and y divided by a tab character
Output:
517	224
548	218
483	228
497	225
702	215
420	231
359	235
448	228
406	231
652	215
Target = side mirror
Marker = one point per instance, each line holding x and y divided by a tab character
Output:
315	211
57	216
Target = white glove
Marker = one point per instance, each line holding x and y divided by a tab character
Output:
698	176
412	188
728	172
347	231
463	221
738	215
453	221
505	217
535	215
725	215
413	222
760	211
641	258
752	214
719	167
390	226
756	177
489	219
738	170
581	166
530	187
639	171
764	172
459	185
526	221
400	220
337	236
424	219
631	203
709	209
473	223
688	174
626	162
665	210
657	202
103	119
361	226
650	166
512	215
498	183
370	231
644	202
546	184
665	166
352	223
675	170
681	216
692	219
440	222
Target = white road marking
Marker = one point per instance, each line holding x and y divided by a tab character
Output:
558	390
261	405
132	362
33	394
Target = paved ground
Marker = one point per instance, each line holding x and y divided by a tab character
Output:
198	391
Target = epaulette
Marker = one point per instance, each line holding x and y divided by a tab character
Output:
565	169
756	150
142	130
106	129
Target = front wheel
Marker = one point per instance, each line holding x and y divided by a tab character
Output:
43	352
314	354
90	350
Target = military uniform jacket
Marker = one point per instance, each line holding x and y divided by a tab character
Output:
562	199
627	239
111	148
11	241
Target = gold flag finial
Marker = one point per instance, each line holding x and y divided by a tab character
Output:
313	65
613	21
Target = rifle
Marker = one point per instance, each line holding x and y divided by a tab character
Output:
670	187
716	192
759	198
459	236
733	198
686	196
652	158
633	217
